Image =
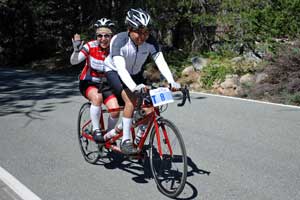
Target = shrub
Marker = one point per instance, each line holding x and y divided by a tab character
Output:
294	99
214	72
283	70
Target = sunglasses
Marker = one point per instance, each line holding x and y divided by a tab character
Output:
141	31
105	36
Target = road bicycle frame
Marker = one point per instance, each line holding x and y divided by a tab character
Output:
151	119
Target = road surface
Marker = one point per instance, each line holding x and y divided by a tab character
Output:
236	149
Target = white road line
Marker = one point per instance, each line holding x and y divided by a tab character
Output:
249	100
17	186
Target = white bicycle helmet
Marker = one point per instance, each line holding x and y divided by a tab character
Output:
104	22
137	18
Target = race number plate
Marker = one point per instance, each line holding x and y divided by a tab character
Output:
161	96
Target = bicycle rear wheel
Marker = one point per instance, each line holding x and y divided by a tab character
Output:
89	149
170	169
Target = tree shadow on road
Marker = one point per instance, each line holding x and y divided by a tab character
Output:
21	90
141	171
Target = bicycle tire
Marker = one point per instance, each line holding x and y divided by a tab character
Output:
169	172
89	149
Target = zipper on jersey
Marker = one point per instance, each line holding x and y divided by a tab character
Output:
137	49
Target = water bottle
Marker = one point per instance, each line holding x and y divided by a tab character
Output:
140	132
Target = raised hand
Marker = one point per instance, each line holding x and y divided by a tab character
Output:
77	43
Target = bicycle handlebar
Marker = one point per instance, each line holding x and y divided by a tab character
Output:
144	95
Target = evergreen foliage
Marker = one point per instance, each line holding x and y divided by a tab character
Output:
32	29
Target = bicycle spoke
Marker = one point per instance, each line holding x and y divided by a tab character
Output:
89	149
170	169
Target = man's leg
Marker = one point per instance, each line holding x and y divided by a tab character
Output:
112	103
126	145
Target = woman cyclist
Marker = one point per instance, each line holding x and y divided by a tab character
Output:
93	83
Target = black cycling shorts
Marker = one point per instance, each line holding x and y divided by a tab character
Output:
103	88
118	85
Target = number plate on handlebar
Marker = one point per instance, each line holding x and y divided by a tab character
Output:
161	96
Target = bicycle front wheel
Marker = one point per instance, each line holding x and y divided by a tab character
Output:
89	149
168	159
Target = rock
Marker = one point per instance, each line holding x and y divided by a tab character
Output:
247	80
198	63
192	77
195	86
261	78
234	77
187	71
228	87
237	59
229	91
251	57
241	92
231	81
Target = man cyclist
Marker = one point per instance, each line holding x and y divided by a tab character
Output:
128	53
93	84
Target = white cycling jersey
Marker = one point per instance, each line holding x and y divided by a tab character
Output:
127	59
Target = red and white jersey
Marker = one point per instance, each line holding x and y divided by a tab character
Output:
94	67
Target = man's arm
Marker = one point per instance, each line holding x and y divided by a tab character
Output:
163	67
120	64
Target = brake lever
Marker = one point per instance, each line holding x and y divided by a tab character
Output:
185	95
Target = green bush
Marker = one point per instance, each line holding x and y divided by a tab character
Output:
214	72
294	99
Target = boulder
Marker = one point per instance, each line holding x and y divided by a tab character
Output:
251	57
229	91
199	63
187	71
247	80
195	86
231	81
189	78
261	78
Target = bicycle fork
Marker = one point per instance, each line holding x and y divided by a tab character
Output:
166	138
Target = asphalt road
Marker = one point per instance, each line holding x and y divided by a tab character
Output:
236	149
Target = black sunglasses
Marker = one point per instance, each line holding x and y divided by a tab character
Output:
105	36
142	30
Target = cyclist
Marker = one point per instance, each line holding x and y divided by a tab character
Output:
128	53
93	84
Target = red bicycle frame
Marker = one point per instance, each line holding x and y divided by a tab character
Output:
152	119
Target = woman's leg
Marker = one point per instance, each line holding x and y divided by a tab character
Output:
96	100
